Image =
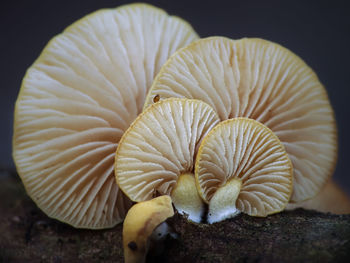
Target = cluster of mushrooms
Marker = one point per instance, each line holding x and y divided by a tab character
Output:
129	105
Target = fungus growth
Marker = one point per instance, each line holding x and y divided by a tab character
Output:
75	103
242	166
156	154
140	223
261	80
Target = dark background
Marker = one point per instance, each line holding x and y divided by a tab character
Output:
317	31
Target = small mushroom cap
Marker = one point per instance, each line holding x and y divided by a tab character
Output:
261	80
246	150
140	222
160	145
76	101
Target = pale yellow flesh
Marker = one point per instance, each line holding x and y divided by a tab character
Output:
223	203
261	80
245	150
186	198
77	100
161	145
140	221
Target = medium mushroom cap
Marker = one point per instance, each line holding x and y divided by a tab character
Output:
76	101
141	220
244	159
160	147
260	80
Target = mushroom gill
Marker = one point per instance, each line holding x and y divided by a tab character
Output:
242	166
156	154
261	80
75	103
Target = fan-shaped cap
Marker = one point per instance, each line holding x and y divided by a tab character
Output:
243	156
261	80
160	146
76	101
141	220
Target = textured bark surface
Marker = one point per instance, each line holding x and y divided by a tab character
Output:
27	235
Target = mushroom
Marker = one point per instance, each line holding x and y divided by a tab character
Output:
331	199
141	221
76	101
261	80
156	154
242	166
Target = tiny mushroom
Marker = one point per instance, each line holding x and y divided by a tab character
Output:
156	154
75	103
261	80
242	166
141	221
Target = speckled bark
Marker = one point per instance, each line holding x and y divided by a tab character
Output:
27	235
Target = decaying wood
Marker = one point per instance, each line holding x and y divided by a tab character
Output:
27	235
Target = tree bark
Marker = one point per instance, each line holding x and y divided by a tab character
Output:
28	235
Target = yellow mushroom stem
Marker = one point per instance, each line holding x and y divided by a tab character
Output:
139	224
186	198
223	203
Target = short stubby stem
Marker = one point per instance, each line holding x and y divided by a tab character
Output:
223	203
186	198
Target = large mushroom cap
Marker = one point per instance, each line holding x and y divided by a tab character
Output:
261	80
242	164
160	147
76	101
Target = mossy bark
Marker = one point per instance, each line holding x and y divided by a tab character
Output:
27	235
